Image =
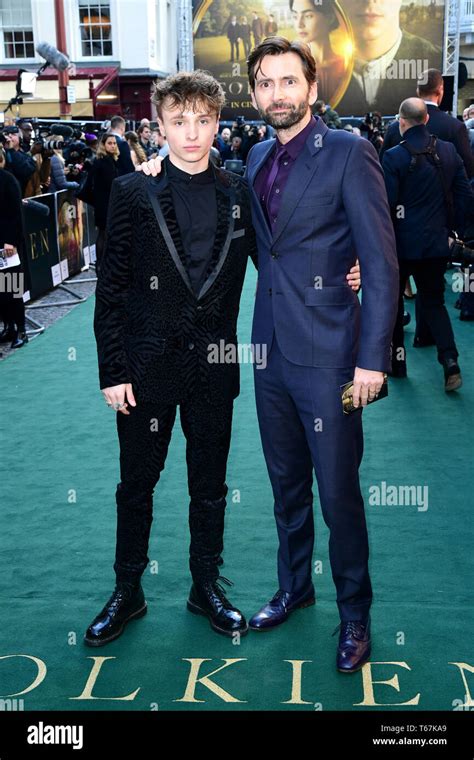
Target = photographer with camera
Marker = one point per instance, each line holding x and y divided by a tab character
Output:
429	196
22	165
26	131
372	128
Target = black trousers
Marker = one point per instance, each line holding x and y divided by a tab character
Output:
432	315
144	437
99	248
234	50
12	307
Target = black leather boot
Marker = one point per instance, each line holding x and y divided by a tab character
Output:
207	597
126	603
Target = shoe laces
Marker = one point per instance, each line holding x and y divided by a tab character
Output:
351	627
120	593
220	590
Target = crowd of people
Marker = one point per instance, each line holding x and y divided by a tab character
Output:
31	165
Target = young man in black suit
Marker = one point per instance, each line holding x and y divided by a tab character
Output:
169	288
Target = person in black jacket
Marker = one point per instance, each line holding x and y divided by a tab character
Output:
117	128
427	201
104	170
12	307
431	90
233	35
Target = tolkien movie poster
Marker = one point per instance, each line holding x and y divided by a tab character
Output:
368	56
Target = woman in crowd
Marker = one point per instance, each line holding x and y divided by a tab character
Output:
58	171
137	151
104	171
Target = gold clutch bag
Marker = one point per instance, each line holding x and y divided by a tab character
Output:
347	390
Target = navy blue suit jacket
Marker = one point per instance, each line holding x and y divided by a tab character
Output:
333	210
417	199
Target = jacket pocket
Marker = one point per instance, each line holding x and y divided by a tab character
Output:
330	295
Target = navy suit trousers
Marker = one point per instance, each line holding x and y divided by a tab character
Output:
303	428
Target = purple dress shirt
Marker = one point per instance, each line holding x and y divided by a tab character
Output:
272	177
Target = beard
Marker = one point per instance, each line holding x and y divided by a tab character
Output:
284	120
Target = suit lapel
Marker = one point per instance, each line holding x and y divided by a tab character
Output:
303	171
251	180
159	193
160	196
226	200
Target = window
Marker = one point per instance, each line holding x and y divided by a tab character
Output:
95	26
17	27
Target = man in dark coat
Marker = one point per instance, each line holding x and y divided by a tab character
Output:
422	188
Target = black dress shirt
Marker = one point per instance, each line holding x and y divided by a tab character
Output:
195	205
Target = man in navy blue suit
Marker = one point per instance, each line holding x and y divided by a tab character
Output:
420	194
318	203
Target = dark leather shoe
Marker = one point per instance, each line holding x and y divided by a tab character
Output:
279	608
126	603
406	318
208	598
19	340
354	646
452	375
466	316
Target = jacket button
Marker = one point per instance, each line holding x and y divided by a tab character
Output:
275	255
199	308
190	346
269	291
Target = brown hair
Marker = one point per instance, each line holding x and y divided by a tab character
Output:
328	10
101	152
132	139
189	88
278	46
429	82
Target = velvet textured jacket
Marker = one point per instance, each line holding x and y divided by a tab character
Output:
150	327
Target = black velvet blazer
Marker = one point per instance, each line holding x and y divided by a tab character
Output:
150	327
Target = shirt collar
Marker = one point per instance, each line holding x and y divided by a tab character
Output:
201	178
294	146
376	67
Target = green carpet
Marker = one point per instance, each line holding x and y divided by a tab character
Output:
59	473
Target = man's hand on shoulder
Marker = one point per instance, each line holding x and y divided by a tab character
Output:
152	167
